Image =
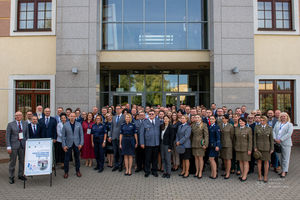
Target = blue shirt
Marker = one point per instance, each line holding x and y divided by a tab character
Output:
128	129
99	130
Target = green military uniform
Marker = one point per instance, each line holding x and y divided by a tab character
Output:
263	141
199	133
243	143
227	134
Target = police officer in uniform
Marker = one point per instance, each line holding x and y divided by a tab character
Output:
99	135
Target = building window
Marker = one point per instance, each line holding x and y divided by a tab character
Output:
277	95
274	14
154	25
34	15
31	93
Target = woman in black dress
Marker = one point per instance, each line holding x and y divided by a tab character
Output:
128	142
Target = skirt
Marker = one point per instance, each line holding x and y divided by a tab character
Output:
128	146
226	153
186	155
198	152
109	148
213	152
266	156
242	156
87	151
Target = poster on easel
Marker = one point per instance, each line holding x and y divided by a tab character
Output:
38	157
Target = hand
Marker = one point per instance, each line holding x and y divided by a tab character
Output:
54	141
249	153
271	152
204	147
169	150
109	140
143	146
255	149
103	144
277	141
217	148
177	143
93	144
136	145
9	151
65	149
79	147
120	146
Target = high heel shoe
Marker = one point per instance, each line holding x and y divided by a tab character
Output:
185	176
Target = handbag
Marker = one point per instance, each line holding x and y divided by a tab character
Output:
180	149
277	148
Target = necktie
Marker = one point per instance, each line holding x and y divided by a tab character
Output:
208	121
47	121
118	118
152	122
20	128
34	129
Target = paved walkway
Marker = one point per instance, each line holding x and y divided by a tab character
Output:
114	185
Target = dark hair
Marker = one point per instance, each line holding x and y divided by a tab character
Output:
163	124
123	111
69	109
226	116
63	114
243	119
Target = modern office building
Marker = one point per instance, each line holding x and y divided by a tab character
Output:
82	53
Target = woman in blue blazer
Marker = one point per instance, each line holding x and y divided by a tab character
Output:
214	145
183	138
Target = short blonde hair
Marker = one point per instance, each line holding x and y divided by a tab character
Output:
284	113
127	114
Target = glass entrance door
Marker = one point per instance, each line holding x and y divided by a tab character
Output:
120	100
188	100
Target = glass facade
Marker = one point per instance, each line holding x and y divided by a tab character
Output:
153	87
154	25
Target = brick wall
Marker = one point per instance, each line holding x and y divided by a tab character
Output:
2	138
295	138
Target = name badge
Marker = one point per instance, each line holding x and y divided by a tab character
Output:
21	136
88	131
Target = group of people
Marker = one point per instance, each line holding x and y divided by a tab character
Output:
160	139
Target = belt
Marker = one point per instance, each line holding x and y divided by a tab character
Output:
127	135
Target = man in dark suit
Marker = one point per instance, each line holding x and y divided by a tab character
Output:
16	136
150	140
252	126
39	112
34	128
244	113
48	125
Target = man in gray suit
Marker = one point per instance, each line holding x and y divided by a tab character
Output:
149	140
114	137
72	139
16	135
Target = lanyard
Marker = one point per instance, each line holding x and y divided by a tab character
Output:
281	126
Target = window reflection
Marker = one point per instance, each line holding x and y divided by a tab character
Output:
171	83
154	24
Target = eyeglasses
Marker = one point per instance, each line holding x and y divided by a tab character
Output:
151	113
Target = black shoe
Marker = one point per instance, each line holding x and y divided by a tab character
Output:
180	174
23	178
155	174
243	180
120	169
199	177
185	176
11	180
125	174
168	176
115	169
100	170
96	168
212	177
240	178
164	175
138	170
147	175
226	177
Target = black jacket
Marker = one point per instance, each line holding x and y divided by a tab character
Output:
38	131
168	137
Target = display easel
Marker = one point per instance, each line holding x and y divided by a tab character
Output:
39	158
